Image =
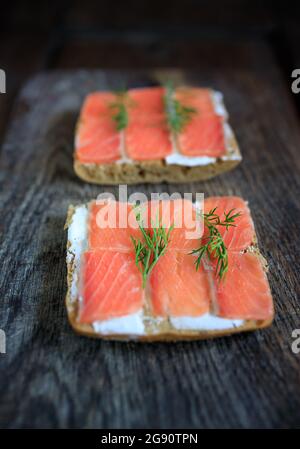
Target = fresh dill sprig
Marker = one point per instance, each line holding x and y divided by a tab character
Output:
178	115
120	115
150	247
213	245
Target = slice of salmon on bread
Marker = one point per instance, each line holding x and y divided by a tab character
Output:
106	297
135	138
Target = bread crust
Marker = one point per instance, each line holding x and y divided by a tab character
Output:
150	172
169	333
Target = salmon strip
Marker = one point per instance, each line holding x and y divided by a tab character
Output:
245	292
239	237
97	105
97	140
203	136
111	226
177	289
147	136
181	214
146	101
111	286
197	98
148	140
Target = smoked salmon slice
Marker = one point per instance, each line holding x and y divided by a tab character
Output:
97	140
146	101
198	98
111	286
177	289
182	216
97	105
239	237
245	293
147	140
204	134
111	226
147	136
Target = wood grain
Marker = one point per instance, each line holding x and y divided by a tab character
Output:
51	377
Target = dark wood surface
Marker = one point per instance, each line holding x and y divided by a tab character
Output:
52	378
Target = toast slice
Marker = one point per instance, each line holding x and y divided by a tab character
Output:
149	322
146	149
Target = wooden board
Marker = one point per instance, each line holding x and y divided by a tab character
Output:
51	377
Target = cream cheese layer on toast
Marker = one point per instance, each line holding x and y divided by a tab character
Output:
152	135
109	295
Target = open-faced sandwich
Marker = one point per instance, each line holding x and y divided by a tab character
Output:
152	135
152	275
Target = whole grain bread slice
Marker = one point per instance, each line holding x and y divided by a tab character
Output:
130	171
166	332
